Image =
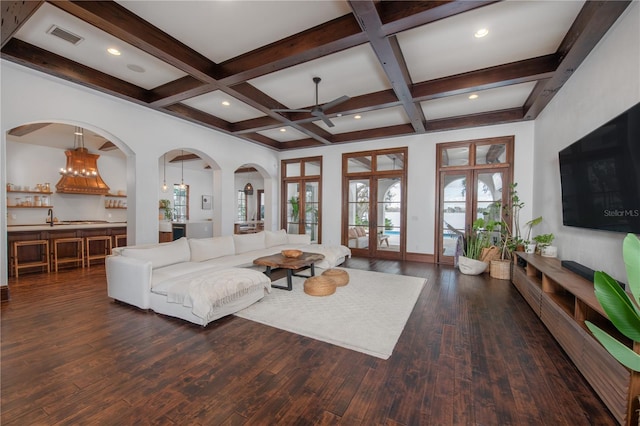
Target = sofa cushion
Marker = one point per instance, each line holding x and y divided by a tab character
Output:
353	233
210	248
276	238
298	239
248	242
162	254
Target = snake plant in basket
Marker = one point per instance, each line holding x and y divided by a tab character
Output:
621	310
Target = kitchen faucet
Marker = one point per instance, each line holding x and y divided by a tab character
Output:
50	216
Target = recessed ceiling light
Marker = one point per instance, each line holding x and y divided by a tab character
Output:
481	33
114	51
357	117
226	103
474	96
283	130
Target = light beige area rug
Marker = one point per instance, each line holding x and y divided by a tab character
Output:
368	315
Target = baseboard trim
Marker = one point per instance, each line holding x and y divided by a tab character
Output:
420	257
4	293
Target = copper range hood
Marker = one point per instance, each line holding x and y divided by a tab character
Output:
81	175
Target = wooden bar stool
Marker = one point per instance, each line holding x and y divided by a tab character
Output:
22	262
121	240
103	249
79	251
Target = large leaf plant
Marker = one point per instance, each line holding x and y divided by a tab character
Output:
621	310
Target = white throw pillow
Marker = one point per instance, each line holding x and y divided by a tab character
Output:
210	248
298	239
276	238
249	242
164	254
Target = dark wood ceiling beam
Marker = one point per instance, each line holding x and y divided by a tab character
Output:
184	157
398	16
325	39
593	21
378	133
118	21
39	59
254	125
297	144
14	14
108	146
179	90
26	129
261	140
390	58
476	120
196	116
247	93
488	78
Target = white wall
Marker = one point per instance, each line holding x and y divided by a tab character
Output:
143	134
421	190
606	84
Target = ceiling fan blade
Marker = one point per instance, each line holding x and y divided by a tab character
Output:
325	119
290	110
335	102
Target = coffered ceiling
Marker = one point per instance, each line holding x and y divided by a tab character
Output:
406	67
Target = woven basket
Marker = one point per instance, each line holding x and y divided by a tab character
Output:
490	253
339	276
501	269
319	286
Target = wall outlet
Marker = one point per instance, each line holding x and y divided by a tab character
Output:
13	216
109	216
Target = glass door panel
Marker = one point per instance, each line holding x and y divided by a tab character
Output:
389	214
489	197
311	208
359	164
358	214
293	208
454	205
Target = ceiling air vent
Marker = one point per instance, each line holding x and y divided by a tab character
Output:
65	35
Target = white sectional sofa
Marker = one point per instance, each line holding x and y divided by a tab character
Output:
201	280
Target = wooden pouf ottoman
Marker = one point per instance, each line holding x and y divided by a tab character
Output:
340	276
319	286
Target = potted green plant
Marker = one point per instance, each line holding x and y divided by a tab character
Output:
166	206
470	263
501	268
621	310
543	242
530	245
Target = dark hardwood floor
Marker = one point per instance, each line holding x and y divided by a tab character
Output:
472	353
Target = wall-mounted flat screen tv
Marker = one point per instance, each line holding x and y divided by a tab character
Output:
600	176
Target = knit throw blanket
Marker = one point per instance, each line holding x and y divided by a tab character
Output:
207	290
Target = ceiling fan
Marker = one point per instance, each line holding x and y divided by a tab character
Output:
318	110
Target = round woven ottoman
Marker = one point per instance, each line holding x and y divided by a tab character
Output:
340	276
319	286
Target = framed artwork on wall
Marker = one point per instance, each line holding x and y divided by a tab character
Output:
206	202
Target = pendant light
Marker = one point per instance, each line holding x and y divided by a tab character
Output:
182	185
165	188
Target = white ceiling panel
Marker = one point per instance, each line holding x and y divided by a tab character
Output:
449	47
352	72
92	51
289	134
370	119
212	103
221	30
488	100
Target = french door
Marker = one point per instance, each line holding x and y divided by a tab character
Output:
473	182
374	190
302	197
